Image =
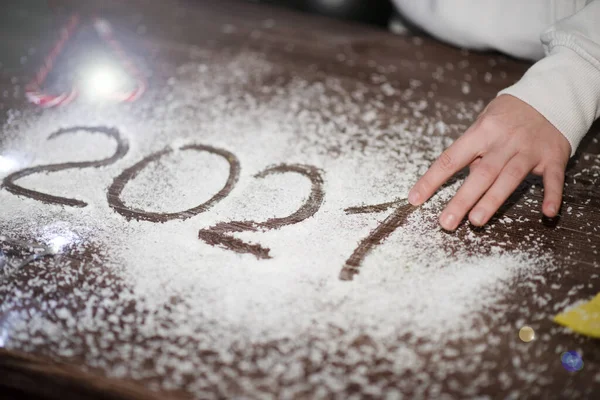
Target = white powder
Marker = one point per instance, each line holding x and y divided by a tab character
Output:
209	319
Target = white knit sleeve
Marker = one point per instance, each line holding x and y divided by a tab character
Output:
565	85
510	26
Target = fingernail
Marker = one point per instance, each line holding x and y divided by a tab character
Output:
477	217
552	209
414	197
448	221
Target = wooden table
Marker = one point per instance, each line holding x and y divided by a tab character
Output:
161	37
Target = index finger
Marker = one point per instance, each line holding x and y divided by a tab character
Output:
460	154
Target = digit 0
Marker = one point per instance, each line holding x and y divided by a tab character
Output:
116	189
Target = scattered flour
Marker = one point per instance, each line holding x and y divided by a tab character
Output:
155	303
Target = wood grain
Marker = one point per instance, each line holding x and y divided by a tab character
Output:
307	46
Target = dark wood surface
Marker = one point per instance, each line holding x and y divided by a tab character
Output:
307	46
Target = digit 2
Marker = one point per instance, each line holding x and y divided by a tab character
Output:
220	234
9	181
115	190
377	236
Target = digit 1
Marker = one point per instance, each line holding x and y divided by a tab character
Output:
378	235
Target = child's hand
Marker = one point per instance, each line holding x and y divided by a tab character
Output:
509	140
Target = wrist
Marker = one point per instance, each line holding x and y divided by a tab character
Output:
565	89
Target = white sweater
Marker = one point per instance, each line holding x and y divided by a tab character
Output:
564	85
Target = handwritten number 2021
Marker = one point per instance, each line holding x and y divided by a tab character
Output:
221	233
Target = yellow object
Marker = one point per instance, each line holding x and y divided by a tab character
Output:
526	334
583	319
